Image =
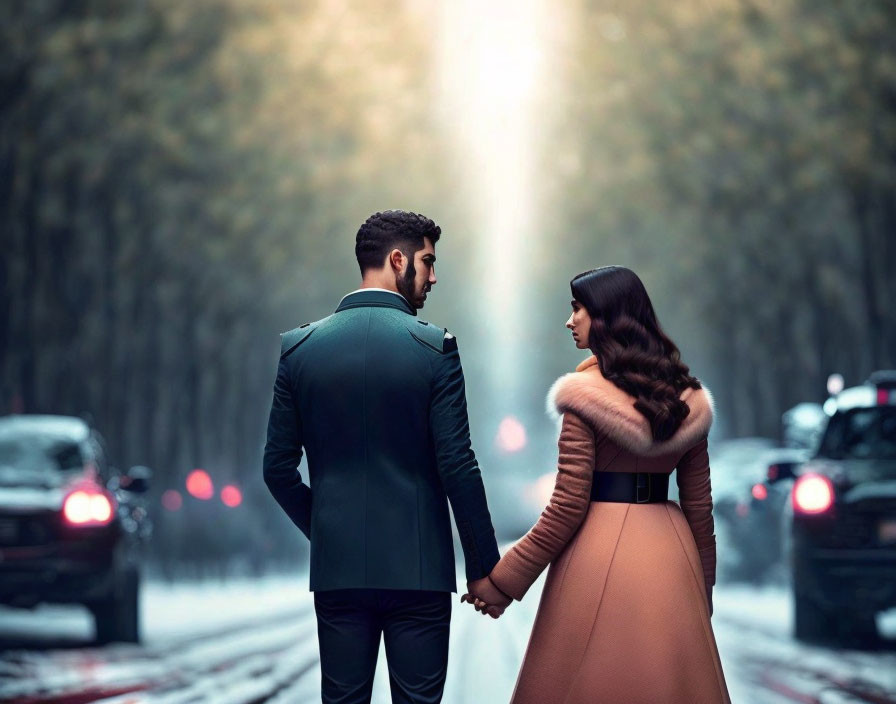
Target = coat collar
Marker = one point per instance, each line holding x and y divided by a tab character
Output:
610	410
366	297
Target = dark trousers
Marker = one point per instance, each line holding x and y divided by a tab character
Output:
415	625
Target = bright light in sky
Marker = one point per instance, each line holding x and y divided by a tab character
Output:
493	69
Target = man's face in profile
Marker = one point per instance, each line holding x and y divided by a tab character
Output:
419	276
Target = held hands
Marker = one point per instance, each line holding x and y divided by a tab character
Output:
486	598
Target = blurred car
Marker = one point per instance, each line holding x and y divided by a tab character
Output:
763	508
802	425
70	526
736	466
749	489
841	518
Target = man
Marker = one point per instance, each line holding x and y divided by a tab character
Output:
376	398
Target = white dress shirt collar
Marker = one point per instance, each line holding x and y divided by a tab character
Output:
373	288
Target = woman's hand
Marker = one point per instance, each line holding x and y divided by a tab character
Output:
486	598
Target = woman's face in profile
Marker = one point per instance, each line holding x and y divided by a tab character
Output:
580	324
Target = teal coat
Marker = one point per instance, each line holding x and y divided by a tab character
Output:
376	399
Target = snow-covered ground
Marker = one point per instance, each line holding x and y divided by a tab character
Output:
255	640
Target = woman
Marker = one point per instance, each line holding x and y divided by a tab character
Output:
625	611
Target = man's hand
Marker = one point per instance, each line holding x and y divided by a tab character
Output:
486	597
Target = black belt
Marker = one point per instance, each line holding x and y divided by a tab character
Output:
630	487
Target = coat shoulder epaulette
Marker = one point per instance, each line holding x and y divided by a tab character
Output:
291	339
432	336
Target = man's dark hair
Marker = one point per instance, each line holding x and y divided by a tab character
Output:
392	229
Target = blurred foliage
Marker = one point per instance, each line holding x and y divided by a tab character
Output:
741	156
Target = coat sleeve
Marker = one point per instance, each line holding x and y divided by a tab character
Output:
695	496
560	520
457	465
283	453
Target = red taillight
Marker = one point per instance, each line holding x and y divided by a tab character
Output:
199	484
883	397
759	492
231	496
88	507
813	493
773	471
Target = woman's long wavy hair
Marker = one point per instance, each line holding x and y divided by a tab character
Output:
632	350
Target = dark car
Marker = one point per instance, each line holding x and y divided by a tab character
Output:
760	514
747	500
70	527
760	507
841	518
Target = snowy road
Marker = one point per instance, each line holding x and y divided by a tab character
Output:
255	641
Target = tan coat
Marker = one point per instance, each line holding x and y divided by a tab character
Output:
623	616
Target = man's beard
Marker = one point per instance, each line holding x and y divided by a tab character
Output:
405	284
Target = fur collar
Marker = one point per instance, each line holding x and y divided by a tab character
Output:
609	409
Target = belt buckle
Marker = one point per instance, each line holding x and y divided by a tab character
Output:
638	487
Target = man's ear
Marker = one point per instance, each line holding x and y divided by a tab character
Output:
396	260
